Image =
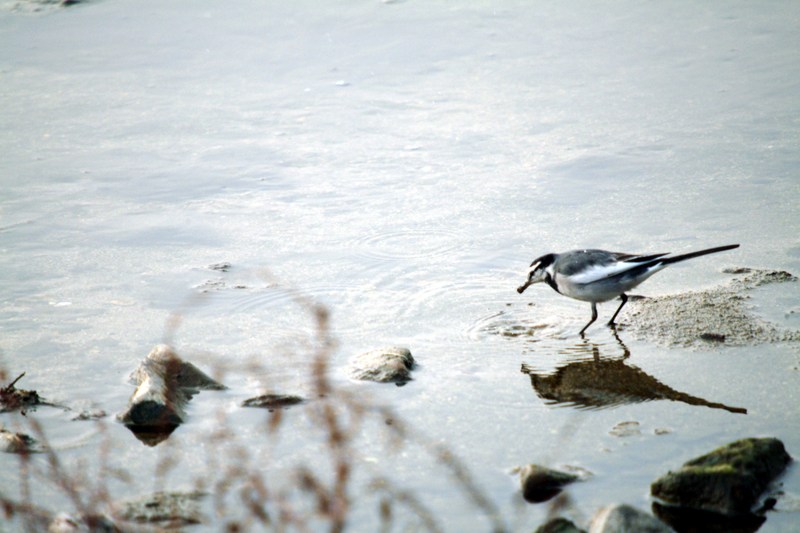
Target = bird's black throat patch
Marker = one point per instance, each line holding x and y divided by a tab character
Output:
550	280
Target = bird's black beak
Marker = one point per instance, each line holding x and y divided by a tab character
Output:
522	288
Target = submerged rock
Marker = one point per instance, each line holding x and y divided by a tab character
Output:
728	480
273	401
90	523
385	365
539	483
90	414
711	317
624	519
628	428
221	267
12	442
165	384
165	509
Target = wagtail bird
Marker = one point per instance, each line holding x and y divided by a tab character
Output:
599	276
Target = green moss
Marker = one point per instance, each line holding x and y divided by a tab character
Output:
719	469
727	480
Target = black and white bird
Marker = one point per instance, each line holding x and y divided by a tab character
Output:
599	276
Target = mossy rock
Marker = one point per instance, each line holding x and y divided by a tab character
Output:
728	480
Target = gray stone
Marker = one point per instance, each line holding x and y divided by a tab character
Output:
385	365
272	401
168	509
623	518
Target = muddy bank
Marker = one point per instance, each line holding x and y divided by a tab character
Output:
707	318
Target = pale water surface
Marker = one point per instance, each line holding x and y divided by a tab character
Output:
401	163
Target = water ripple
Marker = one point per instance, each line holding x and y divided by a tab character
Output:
407	244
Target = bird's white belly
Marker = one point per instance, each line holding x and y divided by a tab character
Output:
598	291
588	293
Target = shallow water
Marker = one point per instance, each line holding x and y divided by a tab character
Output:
401	165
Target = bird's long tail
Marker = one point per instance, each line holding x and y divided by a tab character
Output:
691	255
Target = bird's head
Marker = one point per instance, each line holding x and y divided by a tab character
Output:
541	270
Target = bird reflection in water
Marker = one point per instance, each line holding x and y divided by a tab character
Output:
588	381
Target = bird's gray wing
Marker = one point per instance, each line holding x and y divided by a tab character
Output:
589	266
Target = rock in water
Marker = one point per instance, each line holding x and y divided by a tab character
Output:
385	365
728	480
169	509
86	523
540	483
12	442
624	518
273	401
165	383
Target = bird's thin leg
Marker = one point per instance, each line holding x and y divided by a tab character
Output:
624	299
594	317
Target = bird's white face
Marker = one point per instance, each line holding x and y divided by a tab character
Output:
539	271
